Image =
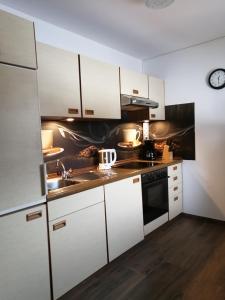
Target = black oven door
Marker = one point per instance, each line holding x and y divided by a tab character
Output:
155	199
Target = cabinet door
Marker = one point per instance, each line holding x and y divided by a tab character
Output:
124	215
100	89
78	247
58	82
157	93
24	263
20	145
17	46
133	83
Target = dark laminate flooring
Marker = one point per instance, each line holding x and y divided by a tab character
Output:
184	259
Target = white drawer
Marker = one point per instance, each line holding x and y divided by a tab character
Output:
175	205
67	205
175	170
174	180
176	188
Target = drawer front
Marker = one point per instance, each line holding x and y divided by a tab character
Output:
67	205
175	170
175	204
174	181
176	188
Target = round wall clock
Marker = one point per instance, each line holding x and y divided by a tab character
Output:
217	79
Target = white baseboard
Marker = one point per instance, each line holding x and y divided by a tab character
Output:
156	223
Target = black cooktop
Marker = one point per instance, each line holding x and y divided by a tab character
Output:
137	165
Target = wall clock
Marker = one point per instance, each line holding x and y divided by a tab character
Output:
216	79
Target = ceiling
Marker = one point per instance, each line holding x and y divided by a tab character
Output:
129	26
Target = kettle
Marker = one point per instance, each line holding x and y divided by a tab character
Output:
107	158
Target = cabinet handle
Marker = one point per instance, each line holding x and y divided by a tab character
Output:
33	216
135	180
89	112
175	178
176	198
43	172
175	188
175	168
136	92
59	225
73	111
153	115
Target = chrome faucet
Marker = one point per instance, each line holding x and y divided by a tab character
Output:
65	174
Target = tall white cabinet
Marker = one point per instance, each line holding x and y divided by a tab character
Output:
124	215
21	172
24	265
100	89
157	93
17	41
58	82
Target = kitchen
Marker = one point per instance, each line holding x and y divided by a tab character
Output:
95	201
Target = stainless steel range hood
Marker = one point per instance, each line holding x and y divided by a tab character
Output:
136	103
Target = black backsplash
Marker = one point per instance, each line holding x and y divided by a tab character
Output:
178	131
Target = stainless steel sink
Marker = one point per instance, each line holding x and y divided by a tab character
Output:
58	183
86	177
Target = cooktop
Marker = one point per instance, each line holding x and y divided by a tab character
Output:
137	165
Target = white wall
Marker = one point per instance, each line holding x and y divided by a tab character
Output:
56	36
186	73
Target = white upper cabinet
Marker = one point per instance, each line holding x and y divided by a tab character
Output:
17	41
58	82
157	93
100	89
133	83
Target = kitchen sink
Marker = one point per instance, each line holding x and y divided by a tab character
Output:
57	183
86	177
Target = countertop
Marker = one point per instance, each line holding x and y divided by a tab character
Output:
107	176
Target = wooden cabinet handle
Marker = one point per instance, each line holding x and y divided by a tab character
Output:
73	111
175	188
136	92
176	198
33	216
89	112
59	225
175	178
136	180
175	168
153	115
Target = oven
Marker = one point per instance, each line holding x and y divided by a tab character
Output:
155	199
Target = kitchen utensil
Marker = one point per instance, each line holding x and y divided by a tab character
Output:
107	158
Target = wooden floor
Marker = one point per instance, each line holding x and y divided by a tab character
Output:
184	259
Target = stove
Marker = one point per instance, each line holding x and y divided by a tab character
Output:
137	165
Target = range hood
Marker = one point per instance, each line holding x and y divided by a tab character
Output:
136	103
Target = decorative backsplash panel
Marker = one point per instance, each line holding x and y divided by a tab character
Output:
178	131
77	143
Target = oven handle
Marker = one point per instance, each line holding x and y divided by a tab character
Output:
154	182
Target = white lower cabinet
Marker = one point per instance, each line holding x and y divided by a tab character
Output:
77	240
24	264
124	215
175	188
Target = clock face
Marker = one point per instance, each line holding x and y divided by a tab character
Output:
217	79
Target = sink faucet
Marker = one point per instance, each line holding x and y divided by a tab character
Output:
65	174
